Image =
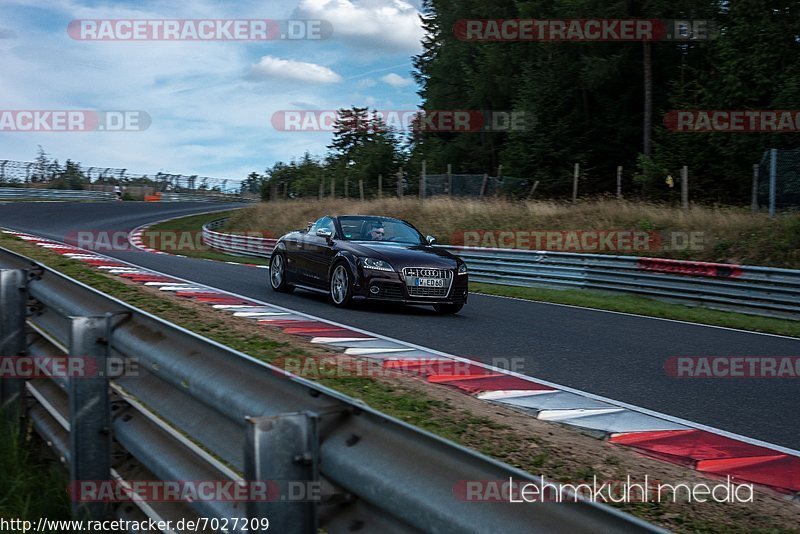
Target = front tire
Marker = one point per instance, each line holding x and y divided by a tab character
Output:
277	274
341	288
448	309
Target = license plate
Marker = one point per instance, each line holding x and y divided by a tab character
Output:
429	282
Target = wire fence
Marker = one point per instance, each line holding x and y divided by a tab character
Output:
784	165
50	174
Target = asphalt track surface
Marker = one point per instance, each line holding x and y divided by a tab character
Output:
614	355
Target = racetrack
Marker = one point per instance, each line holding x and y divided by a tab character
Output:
609	354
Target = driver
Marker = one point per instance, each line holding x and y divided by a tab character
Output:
377	232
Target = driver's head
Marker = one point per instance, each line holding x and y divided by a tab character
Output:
377	232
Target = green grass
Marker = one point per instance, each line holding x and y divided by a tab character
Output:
31	485
643	306
193	224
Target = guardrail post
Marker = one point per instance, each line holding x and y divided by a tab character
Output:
89	411
13	300
283	452
773	178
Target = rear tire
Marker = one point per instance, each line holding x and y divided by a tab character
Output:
341	288
448	309
277	274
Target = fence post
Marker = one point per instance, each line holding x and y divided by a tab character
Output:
89	411
380	186
422	180
619	182
283	450
483	184
333	187
321	188
533	189
346	187
773	179
754	190
575	175
498	182
285	189
13	305
449	180
400	183
684	188
361	189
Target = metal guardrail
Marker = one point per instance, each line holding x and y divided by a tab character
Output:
240	245
200	411
197	197
52	194
12	193
748	289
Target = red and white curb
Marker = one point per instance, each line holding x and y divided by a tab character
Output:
705	449
136	240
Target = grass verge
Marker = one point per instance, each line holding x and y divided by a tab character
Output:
192	247
32	484
643	306
559	453
703	233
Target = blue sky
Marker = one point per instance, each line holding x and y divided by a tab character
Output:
210	102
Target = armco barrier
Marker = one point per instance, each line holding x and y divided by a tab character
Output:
13	193
196	197
29	193
196	410
749	289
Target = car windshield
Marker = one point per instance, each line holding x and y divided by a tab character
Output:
379	230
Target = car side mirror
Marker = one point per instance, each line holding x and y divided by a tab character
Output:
309	225
430	239
326	233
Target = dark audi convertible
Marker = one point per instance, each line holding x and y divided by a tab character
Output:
358	257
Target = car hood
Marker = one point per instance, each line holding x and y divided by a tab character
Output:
400	255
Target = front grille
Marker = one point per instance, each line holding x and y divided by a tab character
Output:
428	291
389	291
424	272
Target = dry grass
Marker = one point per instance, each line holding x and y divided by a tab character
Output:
730	235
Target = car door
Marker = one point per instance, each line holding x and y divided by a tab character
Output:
318	253
293	249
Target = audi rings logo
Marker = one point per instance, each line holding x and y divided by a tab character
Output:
426	273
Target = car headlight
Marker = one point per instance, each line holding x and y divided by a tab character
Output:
378	265
462	269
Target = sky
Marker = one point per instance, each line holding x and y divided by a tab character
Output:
211	103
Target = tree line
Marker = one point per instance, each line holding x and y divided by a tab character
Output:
599	104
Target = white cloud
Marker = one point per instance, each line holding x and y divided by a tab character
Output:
395	80
194	92
271	68
390	25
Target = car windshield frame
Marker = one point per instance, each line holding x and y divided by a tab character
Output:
389	220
